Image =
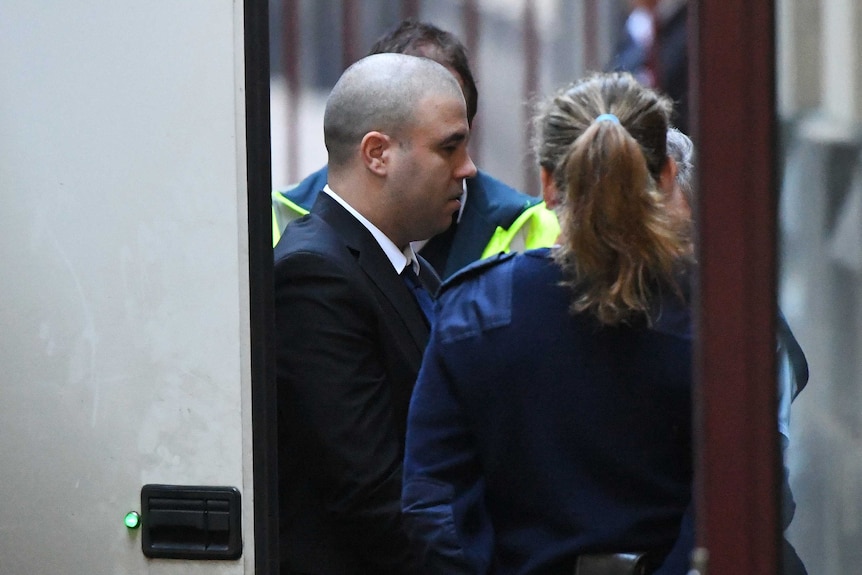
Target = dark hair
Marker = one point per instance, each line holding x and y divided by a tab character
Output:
422	39
618	239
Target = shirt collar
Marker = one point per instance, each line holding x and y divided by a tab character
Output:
399	259
463	200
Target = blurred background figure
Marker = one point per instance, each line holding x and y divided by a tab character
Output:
654	47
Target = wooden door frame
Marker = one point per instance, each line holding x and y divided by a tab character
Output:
734	113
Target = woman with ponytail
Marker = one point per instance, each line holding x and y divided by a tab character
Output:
550	428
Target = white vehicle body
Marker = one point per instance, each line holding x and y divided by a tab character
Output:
126	354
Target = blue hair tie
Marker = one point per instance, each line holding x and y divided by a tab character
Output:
607	118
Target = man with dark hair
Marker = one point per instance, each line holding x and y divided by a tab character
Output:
427	41
493	217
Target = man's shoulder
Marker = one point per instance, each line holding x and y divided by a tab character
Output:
309	234
306	191
498	200
496	265
472	272
476	299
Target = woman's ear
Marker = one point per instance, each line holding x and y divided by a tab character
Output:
549	188
674	198
374	149
667	177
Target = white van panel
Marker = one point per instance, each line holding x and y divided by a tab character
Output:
124	285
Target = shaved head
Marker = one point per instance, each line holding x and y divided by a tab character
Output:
379	93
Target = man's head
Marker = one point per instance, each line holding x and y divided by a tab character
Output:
428	41
396	130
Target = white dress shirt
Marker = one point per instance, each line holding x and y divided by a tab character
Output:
398	258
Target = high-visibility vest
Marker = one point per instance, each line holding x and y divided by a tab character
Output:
536	227
283	212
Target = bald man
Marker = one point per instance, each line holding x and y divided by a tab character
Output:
493	217
350	331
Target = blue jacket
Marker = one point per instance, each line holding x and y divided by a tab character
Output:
535	435
492	208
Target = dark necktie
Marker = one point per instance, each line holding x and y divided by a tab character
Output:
423	298
438	248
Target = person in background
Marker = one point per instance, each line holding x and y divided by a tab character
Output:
493	218
349	331
550	426
654	47
791	361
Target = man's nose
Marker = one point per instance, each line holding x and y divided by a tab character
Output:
467	169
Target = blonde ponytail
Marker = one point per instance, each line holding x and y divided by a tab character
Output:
618	239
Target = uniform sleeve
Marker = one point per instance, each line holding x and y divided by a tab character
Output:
786	389
443	492
678	560
333	390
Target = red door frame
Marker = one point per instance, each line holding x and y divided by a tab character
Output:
733	99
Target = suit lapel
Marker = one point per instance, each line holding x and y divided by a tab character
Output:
373	261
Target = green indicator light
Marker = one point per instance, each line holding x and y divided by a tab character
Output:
132	520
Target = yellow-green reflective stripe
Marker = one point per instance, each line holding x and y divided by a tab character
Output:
544	229
284	211
542	232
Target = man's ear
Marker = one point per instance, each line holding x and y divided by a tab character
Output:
549	189
374	149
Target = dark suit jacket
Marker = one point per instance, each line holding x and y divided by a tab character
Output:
349	342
